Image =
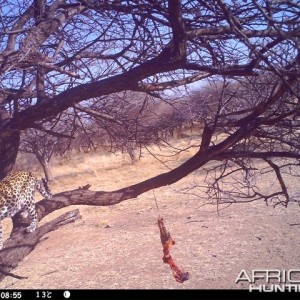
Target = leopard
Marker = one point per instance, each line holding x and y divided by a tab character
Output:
17	195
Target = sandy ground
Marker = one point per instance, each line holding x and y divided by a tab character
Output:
118	247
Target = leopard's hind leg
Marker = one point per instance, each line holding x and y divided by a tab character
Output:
29	210
32	214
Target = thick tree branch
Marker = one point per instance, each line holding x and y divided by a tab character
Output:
253	154
226	31
178	29
97	114
148	87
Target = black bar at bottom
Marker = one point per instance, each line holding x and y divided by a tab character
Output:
136	294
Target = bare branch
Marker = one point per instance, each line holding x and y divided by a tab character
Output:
280	180
148	87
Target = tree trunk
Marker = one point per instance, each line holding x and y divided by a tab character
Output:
47	169
9	146
45	165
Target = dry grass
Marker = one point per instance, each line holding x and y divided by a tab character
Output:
119	246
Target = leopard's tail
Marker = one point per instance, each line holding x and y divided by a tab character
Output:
45	183
44	189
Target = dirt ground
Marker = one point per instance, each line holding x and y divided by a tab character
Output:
118	247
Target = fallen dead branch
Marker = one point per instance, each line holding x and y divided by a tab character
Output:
21	244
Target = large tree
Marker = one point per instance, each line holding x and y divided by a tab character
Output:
63	56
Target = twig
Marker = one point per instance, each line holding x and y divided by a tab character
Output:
11	274
194	221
